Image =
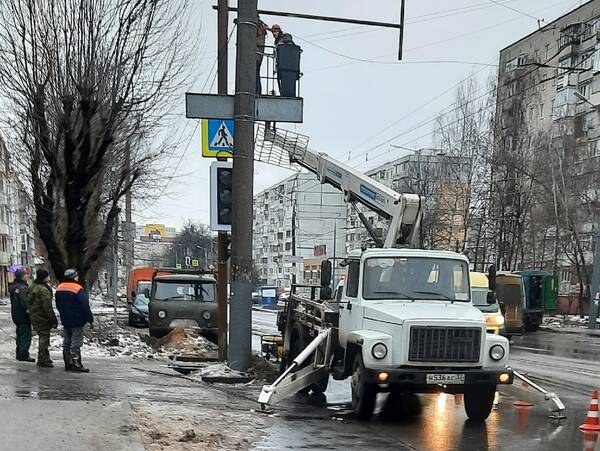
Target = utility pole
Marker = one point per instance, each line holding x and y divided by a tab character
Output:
222	276
129	230
240	327
115	275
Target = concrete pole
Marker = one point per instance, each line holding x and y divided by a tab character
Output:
240	326
115	276
222	269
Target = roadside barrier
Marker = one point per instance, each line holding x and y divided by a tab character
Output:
592	422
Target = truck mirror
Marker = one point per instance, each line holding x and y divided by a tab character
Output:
325	273
325	294
491	298
492	278
147	292
133	294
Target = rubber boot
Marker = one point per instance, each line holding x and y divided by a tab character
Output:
77	365
68	360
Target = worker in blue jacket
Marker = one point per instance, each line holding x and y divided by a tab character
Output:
74	307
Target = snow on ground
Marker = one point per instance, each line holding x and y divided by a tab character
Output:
558	321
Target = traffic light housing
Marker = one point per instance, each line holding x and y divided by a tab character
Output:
221	196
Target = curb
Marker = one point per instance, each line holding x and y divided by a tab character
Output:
587	332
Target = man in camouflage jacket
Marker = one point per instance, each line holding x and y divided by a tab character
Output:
42	315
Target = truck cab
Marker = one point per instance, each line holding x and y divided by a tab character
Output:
407	324
185	300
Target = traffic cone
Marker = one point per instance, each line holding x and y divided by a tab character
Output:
458	399
522	414
589	441
521	402
592	423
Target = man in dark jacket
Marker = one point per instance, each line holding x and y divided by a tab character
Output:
287	74
74	307
43	319
20	315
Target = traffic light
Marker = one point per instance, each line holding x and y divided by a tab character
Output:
221	196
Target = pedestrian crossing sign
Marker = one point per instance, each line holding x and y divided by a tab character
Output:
217	138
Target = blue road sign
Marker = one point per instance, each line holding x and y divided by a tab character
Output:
217	137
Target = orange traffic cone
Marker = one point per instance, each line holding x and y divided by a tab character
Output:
522	414
521	402
458	399
589	441
592	423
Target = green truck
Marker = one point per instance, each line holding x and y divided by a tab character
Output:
541	295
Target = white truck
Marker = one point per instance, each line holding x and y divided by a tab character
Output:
401	322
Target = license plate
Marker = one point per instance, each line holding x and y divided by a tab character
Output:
445	379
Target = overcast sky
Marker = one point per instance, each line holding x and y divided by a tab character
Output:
356	95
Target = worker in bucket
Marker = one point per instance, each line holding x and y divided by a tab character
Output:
287	61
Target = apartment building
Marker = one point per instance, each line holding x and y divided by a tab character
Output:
547	110
17	236
439	179
296	220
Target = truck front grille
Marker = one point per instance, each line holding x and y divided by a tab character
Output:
444	344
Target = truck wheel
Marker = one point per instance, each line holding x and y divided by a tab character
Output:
479	401
363	393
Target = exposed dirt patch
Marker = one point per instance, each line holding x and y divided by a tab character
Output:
168	427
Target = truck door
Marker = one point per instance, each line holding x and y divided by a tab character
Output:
351	308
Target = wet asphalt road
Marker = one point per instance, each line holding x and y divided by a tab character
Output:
567	364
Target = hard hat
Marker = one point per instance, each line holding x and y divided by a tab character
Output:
275	28
71	273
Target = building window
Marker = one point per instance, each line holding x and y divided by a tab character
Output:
24	242
288	246
547	52
541	111
544	78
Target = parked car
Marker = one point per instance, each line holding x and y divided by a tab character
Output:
183	300
138	311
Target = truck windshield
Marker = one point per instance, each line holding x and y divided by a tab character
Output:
184	291
416	278
479	296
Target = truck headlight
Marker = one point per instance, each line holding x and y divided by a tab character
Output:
206	315
497	352
162	314
379	350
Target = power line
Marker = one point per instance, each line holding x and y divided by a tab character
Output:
496	2
364	60
571	69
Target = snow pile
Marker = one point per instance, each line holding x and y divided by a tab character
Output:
217	369
558	321
98	345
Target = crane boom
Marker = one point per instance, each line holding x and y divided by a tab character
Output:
403	210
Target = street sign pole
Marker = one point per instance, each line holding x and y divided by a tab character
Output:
222	270
240	327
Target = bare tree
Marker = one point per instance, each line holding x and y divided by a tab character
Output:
465	139
87	82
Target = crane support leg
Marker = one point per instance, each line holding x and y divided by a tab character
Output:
290	382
